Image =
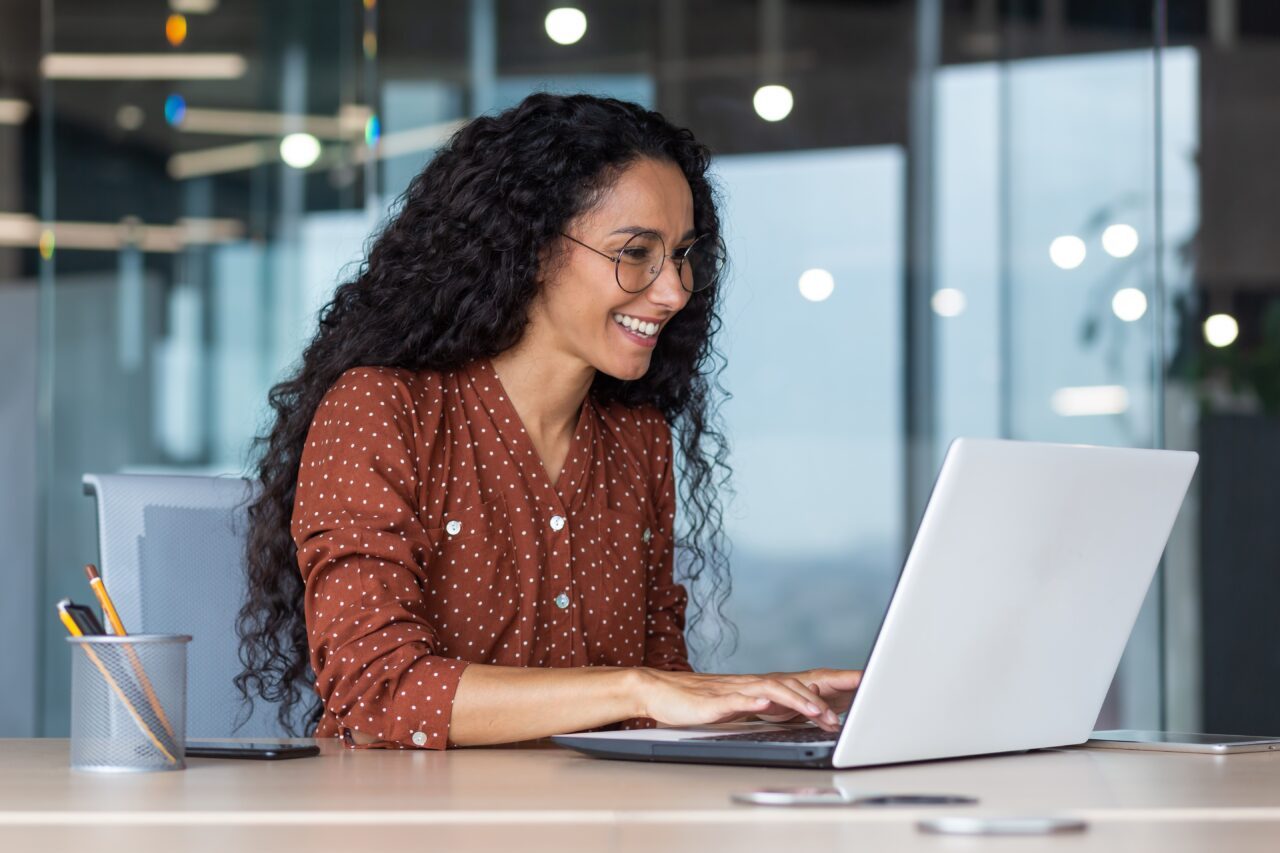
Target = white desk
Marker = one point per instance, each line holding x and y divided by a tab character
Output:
545	798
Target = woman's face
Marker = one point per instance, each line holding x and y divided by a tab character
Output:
583	300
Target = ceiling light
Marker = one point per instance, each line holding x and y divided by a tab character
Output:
773	103
299	150
143	66
565	25
1120	240
1090	400
193	7
1221	330
1067	251
13	111
1129	304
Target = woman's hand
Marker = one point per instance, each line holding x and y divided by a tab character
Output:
695	698
836	686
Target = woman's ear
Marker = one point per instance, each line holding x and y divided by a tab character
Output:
551	258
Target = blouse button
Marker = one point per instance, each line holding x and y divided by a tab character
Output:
557	522
562	601
419	738
646	536
453	527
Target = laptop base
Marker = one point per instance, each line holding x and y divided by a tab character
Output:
691	752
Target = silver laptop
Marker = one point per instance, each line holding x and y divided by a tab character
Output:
1007	623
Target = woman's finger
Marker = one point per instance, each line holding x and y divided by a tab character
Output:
803	689
834	679
827	712
737	705
788	697
834	685
782	715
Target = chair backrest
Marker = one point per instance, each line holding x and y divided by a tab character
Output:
171	553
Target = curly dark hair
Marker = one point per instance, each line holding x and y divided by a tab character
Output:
449	279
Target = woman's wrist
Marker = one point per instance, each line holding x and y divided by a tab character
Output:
633	684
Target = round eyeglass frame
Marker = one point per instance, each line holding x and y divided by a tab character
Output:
617	260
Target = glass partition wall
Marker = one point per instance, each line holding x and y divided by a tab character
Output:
1055	134
192	154
945	218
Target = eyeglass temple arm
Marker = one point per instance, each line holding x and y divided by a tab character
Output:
592	248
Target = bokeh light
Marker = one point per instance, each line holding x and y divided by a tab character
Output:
1120	240
130	117
773	103
175	109
948	302
1221	330
566	25
816	284
175	29
1067	251
299	150
1129	304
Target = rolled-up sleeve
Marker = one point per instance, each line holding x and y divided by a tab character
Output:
362	551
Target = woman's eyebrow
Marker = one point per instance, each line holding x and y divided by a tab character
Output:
639	229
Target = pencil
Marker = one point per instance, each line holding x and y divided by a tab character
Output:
74	628
108	607
100	590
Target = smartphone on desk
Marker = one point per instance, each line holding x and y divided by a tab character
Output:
266	750
1181	741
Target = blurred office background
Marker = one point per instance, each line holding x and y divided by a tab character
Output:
1039	219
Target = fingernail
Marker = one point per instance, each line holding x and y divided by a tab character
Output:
813	709
831	717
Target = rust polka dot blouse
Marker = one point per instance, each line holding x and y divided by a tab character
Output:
430	536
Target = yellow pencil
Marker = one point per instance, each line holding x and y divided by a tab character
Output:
100	590
76	632
108	607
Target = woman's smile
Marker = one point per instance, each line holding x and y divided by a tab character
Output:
636	330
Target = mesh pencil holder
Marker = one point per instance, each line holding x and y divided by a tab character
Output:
128	702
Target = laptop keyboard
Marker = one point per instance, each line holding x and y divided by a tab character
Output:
797	735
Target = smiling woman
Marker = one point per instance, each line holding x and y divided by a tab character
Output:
465	532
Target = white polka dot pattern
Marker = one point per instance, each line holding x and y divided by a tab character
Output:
424	522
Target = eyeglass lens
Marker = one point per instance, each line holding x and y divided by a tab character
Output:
641	258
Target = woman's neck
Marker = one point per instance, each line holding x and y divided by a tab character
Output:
545	386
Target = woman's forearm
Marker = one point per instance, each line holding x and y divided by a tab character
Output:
504	704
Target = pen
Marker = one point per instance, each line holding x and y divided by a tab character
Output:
83	617
73	627
109	608
73	617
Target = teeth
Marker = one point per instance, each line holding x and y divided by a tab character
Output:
646	329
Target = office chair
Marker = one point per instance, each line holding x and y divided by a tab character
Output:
171	553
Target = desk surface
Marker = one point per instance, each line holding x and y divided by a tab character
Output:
549	798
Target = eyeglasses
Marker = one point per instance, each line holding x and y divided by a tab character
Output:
639	262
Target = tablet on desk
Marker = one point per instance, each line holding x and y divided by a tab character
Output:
1181	741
